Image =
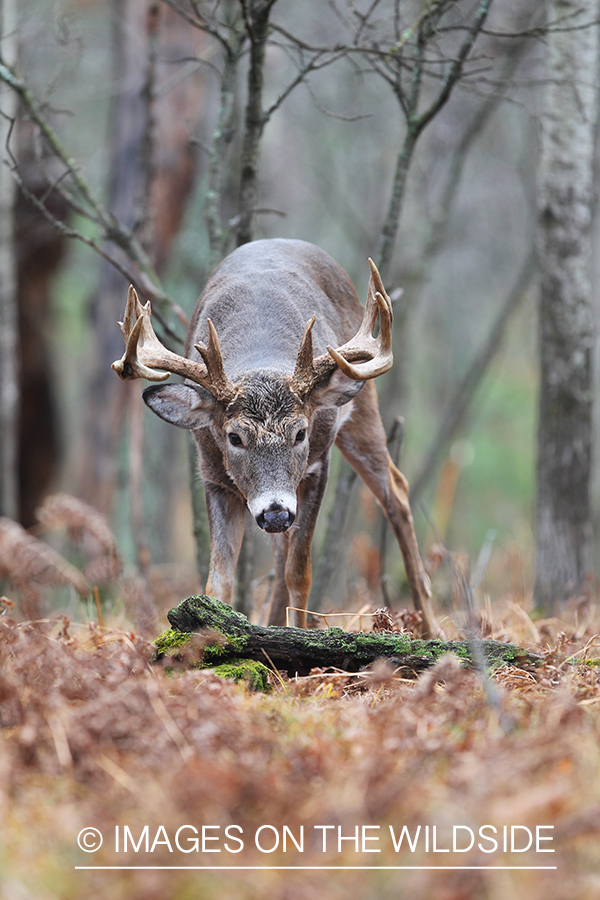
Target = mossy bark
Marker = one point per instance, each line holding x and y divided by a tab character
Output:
296	650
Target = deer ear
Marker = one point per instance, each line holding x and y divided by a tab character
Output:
180	404
337	390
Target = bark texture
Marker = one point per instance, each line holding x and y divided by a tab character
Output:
39	249
565	195
152	171
297	650
257	24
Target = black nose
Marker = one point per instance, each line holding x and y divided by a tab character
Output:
275	518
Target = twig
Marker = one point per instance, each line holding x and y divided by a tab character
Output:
395	439
112	229
199	514
416	122
460	404
185	748
136	480
98	606
475	643
144	286
245	573
334	541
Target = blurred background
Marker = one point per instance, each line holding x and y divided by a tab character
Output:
127	139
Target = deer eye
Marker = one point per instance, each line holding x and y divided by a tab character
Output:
235	440
301	435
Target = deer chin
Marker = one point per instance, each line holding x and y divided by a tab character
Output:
274	514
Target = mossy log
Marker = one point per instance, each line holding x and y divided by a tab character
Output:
296	650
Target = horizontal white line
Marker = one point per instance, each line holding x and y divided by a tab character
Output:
303	868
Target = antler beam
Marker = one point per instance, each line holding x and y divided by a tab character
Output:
146	357
362	357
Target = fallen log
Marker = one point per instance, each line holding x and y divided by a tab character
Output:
228	635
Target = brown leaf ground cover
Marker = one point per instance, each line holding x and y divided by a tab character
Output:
93	735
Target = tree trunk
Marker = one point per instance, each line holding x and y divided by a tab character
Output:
127	193
565	193
229	635
254	121
9	391
39	248
152	169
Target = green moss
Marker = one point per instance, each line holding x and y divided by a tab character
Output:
251	672
206	612
170	642
593	661
213	653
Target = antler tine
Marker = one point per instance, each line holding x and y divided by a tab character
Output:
304	372
146	357
360	358
220	385
133	310
304	361
377	351
142	348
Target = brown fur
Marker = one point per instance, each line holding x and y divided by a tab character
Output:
259	300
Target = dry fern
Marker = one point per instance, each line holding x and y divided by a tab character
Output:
29	564
87	528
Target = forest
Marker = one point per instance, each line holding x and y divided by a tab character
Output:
454	143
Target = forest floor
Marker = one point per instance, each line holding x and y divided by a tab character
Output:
411	777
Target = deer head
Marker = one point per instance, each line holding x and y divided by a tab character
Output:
267	428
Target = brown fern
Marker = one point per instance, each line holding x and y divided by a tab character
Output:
86	528
29	563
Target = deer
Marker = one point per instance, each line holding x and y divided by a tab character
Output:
279	365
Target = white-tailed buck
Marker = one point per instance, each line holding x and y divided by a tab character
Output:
278	368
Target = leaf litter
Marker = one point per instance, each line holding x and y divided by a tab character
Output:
93	733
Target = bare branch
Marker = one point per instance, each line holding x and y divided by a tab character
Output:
198	22
427	28
329	113
540	31
310	66
457	65
466	389
112	229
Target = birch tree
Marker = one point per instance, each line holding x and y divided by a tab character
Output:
566	327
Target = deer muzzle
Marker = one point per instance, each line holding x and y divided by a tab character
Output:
275	519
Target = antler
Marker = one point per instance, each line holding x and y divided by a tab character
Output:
362	357
146	357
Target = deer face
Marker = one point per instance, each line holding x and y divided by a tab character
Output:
265	444
264	434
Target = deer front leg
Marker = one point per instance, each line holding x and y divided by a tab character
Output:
226	519
397	509
297	560
362	441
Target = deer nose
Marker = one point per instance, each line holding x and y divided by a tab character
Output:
275	518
